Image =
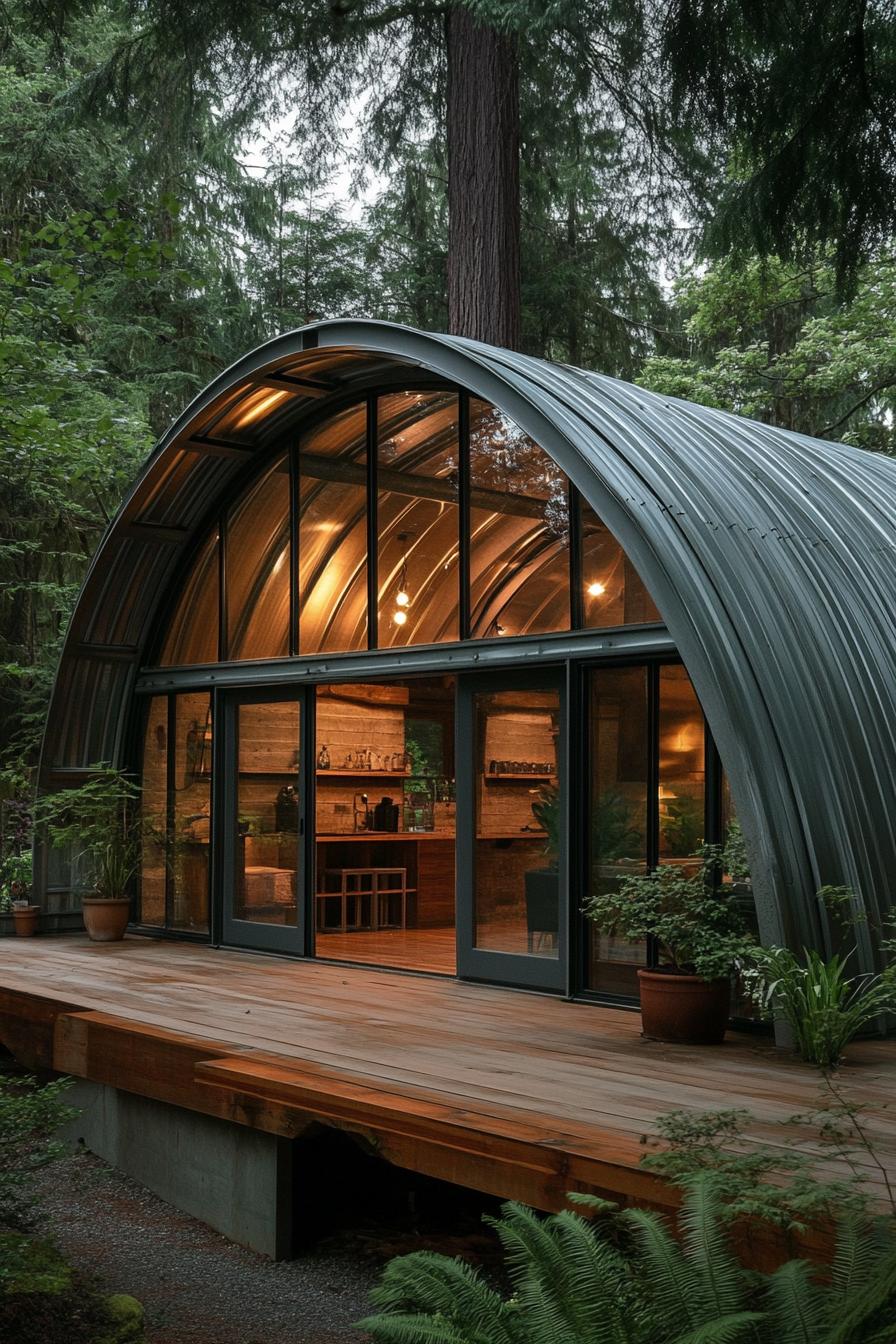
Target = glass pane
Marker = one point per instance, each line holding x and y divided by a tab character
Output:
738	884
333	535
682	770
418	518
193	634
257	557
613	591
617	751
189	846
518	810
267	822
386	824
519	531
154	813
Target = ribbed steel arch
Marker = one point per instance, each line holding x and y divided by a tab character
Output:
769	554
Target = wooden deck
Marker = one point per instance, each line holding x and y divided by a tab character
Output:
519	1095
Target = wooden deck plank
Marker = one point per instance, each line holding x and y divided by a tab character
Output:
503	1060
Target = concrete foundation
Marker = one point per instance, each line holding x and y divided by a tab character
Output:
238	1180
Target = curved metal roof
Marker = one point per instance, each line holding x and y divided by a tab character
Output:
769	554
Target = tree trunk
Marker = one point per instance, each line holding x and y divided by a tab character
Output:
483	182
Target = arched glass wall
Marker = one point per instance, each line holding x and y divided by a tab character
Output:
410	517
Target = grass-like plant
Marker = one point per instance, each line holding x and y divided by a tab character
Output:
823	1005
626	1279
96	823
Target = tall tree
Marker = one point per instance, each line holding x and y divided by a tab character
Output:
799	99
483	135
386	62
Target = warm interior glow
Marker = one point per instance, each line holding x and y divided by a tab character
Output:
402	600
258	408
596	589
399	617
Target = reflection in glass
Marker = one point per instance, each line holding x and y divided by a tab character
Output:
267	822
257	553
682	775
519	531
385	824
176	813
517	818
193	633
154	813
617	751
190	839
613	593
418	518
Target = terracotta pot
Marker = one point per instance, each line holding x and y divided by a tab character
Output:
106	920
684	1008
24	919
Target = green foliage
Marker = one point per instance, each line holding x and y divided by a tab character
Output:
30	1116
96	824
799	106
775	1183
771	340
15	878
682	826
698	928
626	1280
614	835
547	812
824	1007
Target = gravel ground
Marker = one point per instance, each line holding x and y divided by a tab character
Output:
197	1287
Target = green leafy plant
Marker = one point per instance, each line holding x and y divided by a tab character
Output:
15	878
614	835
682	827
775	1183
823	1005
96	823
626	1279
698	928
31	1114
546	811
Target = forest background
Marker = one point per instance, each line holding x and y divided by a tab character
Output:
697	196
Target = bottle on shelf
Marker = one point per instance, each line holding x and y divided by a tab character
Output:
323	758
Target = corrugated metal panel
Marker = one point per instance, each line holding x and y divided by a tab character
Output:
770	555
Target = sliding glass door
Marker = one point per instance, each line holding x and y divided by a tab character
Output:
511	813
263	831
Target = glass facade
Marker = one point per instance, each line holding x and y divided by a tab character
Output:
419	517
434	508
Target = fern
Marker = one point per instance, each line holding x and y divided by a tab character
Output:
797	1306
672	1286
721	1278
727	1330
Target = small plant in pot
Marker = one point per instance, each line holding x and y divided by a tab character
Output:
700	936
95	823
15	893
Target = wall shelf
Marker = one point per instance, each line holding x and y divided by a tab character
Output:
488	775
363	774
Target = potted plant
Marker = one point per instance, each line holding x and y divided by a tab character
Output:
96	824
15	887
700	935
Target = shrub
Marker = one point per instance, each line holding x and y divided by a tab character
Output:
699	928
30	1116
